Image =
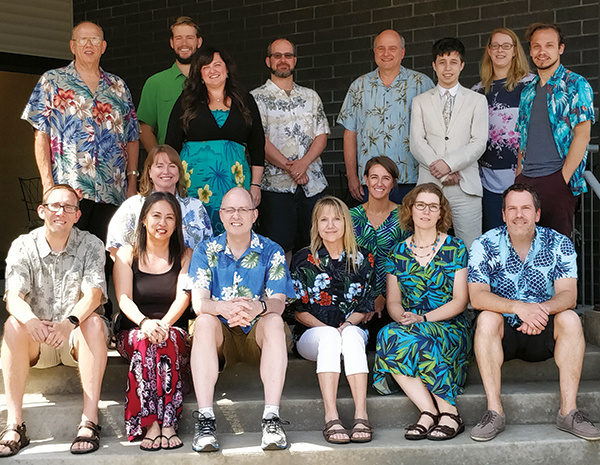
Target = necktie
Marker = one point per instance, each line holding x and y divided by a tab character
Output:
447	111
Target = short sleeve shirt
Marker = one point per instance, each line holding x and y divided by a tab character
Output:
159	94
494	261
570	102
52	283
259	273
291	122
123	225
88	131
380	116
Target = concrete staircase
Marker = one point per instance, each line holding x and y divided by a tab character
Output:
530	394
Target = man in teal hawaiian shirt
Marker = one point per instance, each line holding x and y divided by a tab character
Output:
376	115
555	114
240	285
86	131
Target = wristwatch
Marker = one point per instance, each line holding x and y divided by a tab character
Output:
73	320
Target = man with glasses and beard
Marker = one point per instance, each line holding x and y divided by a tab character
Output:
296	131
162	89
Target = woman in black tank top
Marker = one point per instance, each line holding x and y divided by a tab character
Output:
150	279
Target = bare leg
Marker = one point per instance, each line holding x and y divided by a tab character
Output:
328	382
169	432
358	387
204	359
418	393
90	347
445	407
569	351
270	337
152	433
490	357
18	351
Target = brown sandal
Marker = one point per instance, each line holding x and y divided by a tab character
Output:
361	426
328	432
447	431
422	431
94	439
14	445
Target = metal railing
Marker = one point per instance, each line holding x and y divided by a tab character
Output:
587	237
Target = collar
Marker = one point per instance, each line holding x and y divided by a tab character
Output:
557	76
176	71
44	247
534	241
401	76
453	90
256	245
270	85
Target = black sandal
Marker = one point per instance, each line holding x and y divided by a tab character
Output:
422	431
94	439
14	445
169	447
328	432
447	431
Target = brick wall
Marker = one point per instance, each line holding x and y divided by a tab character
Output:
334	37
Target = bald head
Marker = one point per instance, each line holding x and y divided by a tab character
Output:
390	35
238	195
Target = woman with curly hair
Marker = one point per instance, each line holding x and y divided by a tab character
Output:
425	349
149	284
216	126
334	282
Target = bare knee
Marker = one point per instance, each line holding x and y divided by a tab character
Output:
490	324
206	329
270	328
567	323
93	326
15	332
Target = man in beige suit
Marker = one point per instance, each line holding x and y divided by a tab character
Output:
448	134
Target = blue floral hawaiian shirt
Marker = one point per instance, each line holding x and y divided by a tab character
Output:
570	102
88	131
380	116
259	273
494	261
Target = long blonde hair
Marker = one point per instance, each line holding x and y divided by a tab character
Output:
519	66
316	242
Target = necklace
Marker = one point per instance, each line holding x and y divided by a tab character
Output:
428	254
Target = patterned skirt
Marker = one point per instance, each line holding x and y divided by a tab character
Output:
159	375
438	352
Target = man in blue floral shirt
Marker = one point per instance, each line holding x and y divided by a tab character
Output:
240	285
86	131
556	114
523	279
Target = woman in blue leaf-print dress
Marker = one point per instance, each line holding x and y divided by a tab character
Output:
425	350
334	284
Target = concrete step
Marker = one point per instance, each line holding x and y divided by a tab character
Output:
55	416
531	444
242	377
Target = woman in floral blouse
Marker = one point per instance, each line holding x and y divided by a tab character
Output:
334	283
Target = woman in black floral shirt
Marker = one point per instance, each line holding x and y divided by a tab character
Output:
333	279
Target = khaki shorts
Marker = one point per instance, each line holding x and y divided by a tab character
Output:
50	357
241	347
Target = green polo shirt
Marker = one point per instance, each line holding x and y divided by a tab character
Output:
159	94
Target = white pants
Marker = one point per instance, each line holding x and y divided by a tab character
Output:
326	345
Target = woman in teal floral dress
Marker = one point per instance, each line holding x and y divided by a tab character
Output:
333	280
377	228
217	130
425	350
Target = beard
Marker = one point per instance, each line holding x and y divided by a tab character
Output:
282	74
184	61
543	68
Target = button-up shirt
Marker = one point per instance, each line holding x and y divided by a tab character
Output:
494	261
53	282
291	122
380	116
570	102
123	225
258	274
88	131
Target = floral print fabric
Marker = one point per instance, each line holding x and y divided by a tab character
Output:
331	293
258	274
436	351
88	131
570	102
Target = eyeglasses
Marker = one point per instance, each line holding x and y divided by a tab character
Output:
81	41
239	210
506	46
433	207
278	56
55	207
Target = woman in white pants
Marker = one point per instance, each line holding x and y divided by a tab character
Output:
334	283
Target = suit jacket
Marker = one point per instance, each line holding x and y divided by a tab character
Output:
460	146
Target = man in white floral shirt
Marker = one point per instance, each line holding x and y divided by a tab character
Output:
240	285
296	131
54	293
